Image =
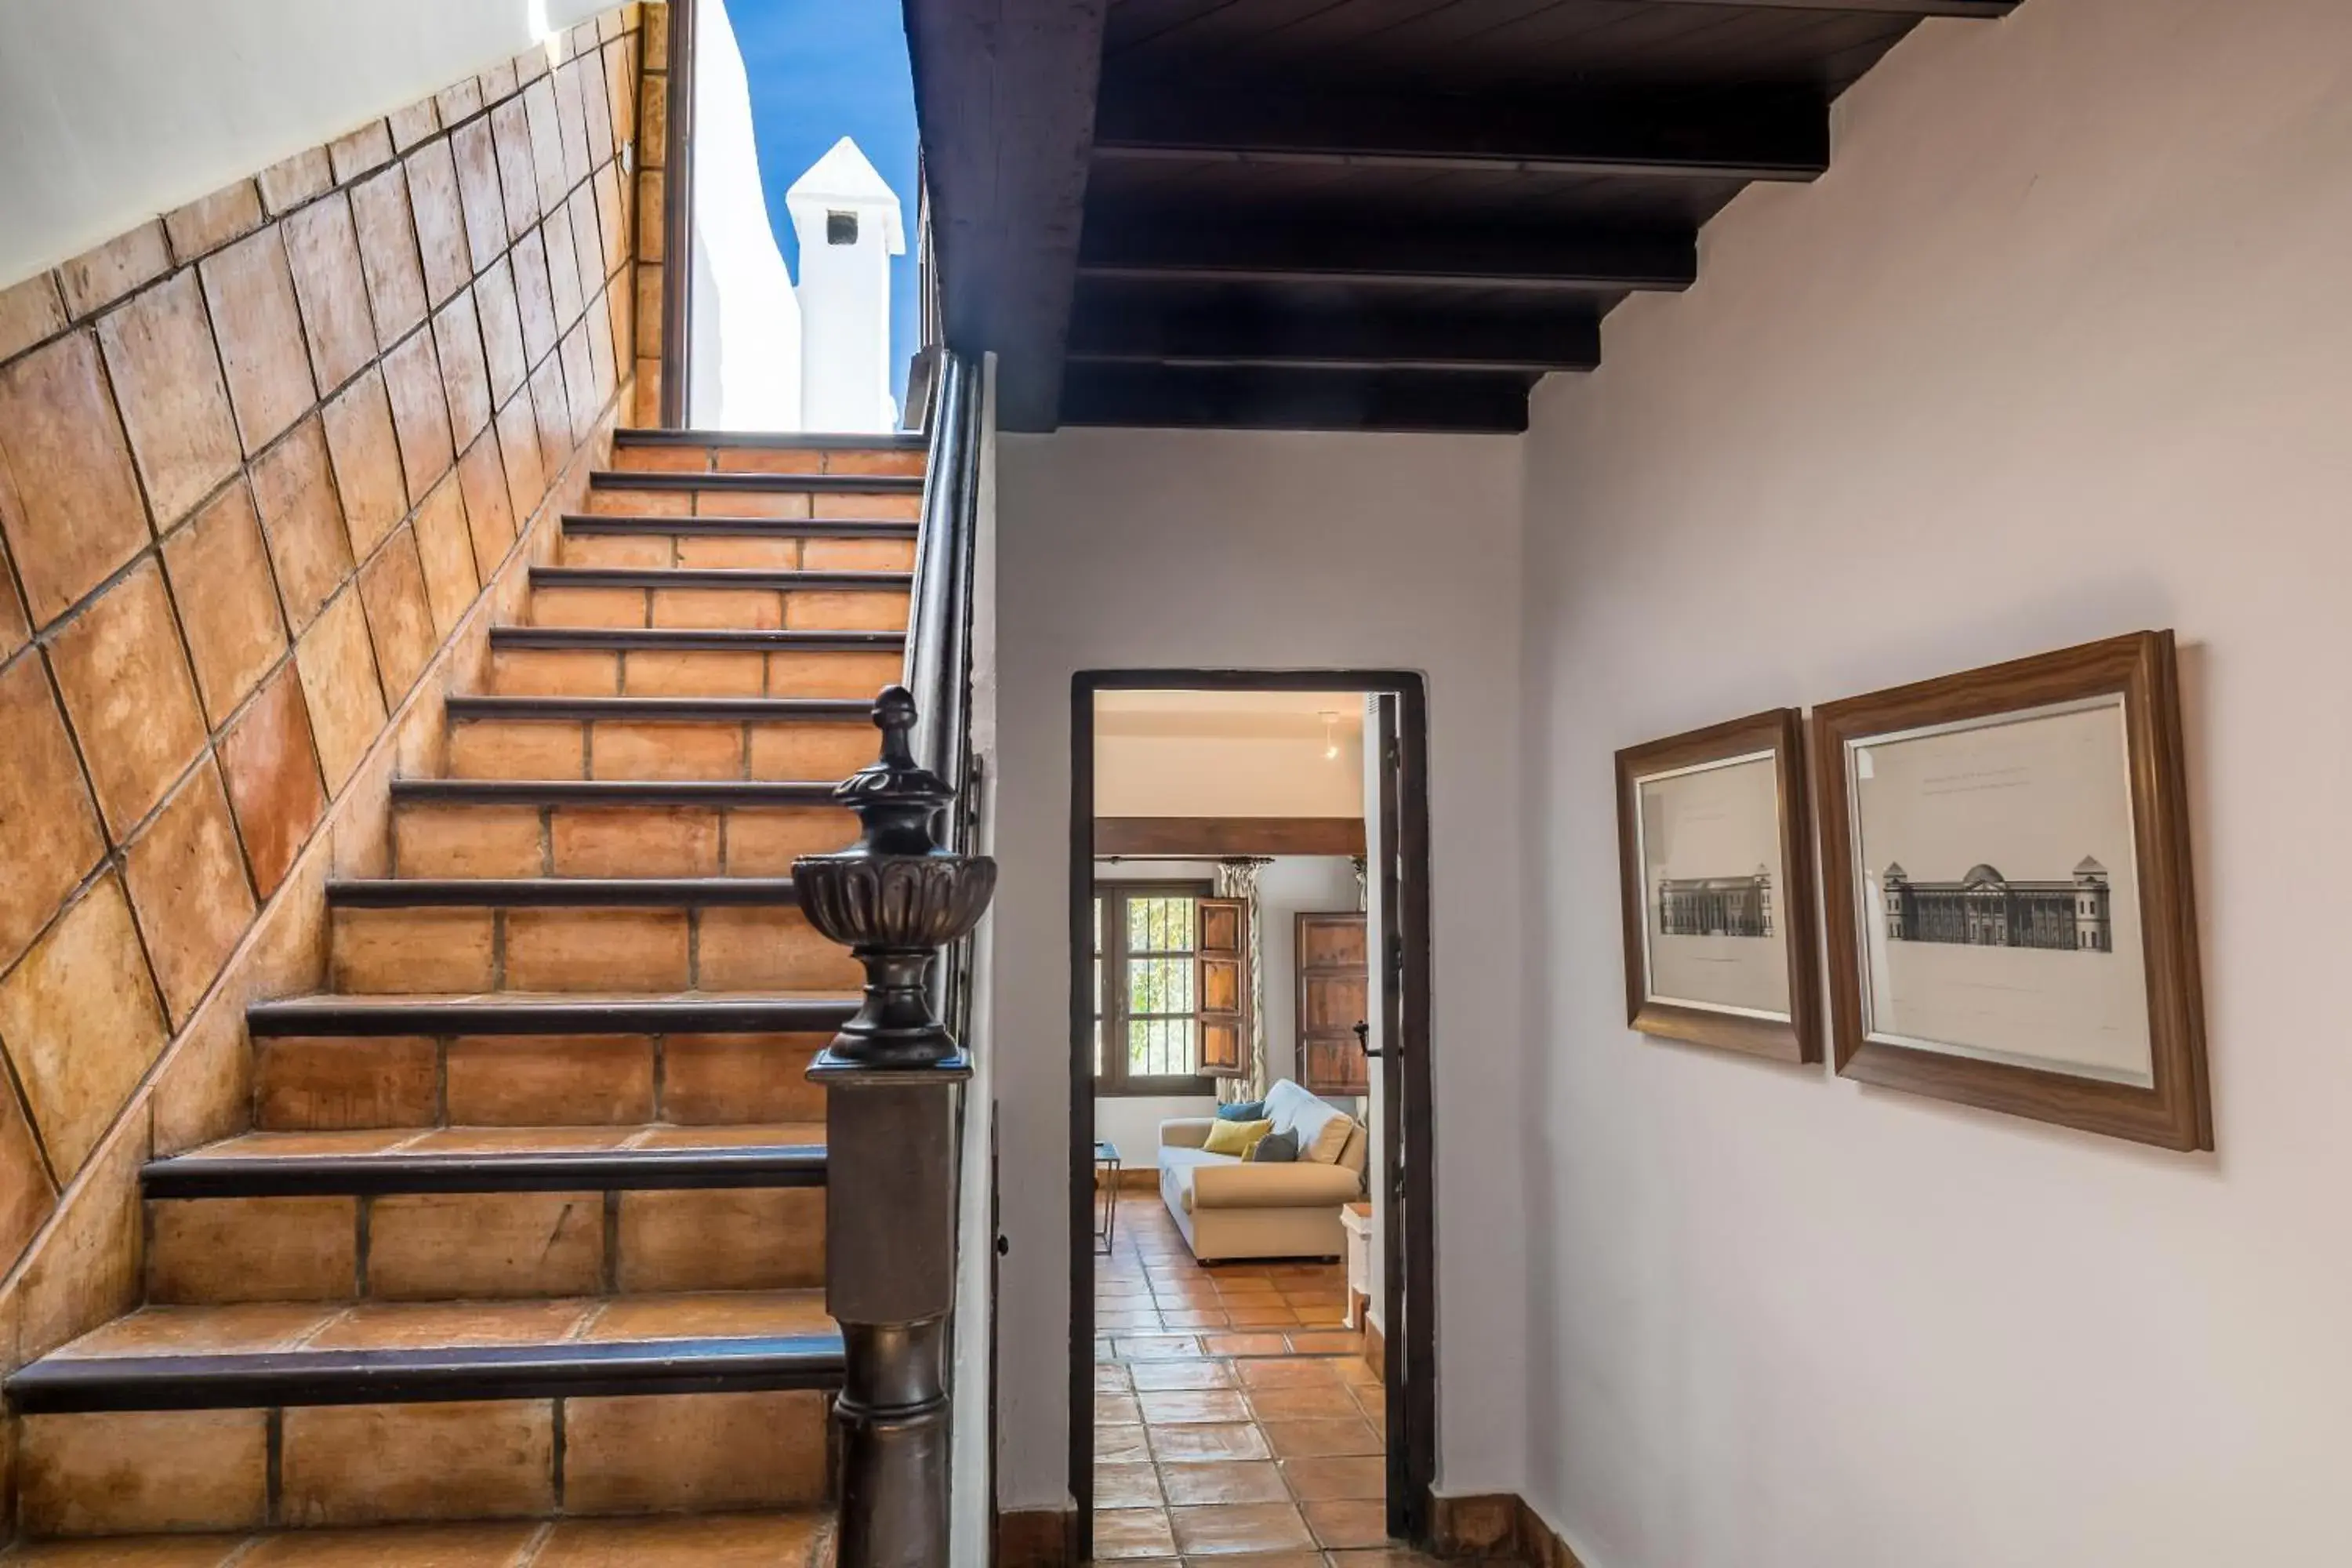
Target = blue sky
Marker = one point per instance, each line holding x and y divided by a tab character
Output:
820	70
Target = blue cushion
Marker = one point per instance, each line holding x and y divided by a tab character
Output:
1253	1110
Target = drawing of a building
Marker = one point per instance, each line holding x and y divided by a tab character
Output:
1716	906
1985	908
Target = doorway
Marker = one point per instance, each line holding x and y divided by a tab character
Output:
1247	1353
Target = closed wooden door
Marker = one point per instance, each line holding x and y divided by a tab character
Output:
1332	982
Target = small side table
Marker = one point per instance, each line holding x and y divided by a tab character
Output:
1107	1171
1356	1219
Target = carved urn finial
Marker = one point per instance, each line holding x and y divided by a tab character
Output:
895	897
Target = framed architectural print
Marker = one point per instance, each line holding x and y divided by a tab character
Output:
1718	886
2011	919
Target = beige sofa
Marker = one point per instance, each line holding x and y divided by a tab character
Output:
1228	1208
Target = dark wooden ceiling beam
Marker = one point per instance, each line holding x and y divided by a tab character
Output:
1205	249
1004	93
1923	8
1123	328
1256	399
1735	133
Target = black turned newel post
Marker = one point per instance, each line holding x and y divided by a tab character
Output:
891	1078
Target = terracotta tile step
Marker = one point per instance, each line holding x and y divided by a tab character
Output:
583	1077
291	1353
699	638
809	544
658	738
672	661
469	1244
794	1540
300	1415
606	828
563	892
493	1160
519	1013
743	598
579	933
790	451
815	482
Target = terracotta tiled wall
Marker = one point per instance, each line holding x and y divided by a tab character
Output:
261	459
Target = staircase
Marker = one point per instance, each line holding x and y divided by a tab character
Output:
531	1225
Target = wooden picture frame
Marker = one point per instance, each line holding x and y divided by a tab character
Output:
1779	906
2020	786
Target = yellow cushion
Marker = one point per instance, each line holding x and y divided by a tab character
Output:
1236	1138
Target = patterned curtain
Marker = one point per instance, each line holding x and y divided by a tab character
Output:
1238	879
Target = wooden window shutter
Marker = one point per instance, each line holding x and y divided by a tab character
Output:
1220	956
1333	992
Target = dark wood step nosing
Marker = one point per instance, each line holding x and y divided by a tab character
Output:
262	1175
743	527
793	440
562	893
739	479
57	1385
442	1018
673	639
716	577
712	793
728	709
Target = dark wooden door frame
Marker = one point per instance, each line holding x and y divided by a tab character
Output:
1409	1253
677	219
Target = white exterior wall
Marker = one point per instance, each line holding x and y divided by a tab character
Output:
746	329
114	110
844	293
1119	549
2059	348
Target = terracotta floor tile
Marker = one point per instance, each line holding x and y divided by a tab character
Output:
1172	1407
713	1542
1225	1529
1340	1341
1309	1403
1352	1478
1122	1532
1245	1344
409	1325
1320	1439
1128	1486
1194	1444
251	1327
1287	1374
443	1546
1113	1379
149	1552
1117	1410
1155	1374
1121	1445
1225	1481
1156	1347
1193	1318
1349	1523
715	1314
1245	1314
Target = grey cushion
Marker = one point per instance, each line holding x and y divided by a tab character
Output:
1275	1149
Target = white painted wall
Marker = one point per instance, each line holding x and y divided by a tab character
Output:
113	110
1206	775
2059	348
845	292
746	319
1119	549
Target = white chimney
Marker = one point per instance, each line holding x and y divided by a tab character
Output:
849	227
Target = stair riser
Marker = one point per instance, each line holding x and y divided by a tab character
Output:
432	839
136	1472
606	501
443	1246
649	552
332	1083
459	952
733	459
689	672
722	609
784	750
